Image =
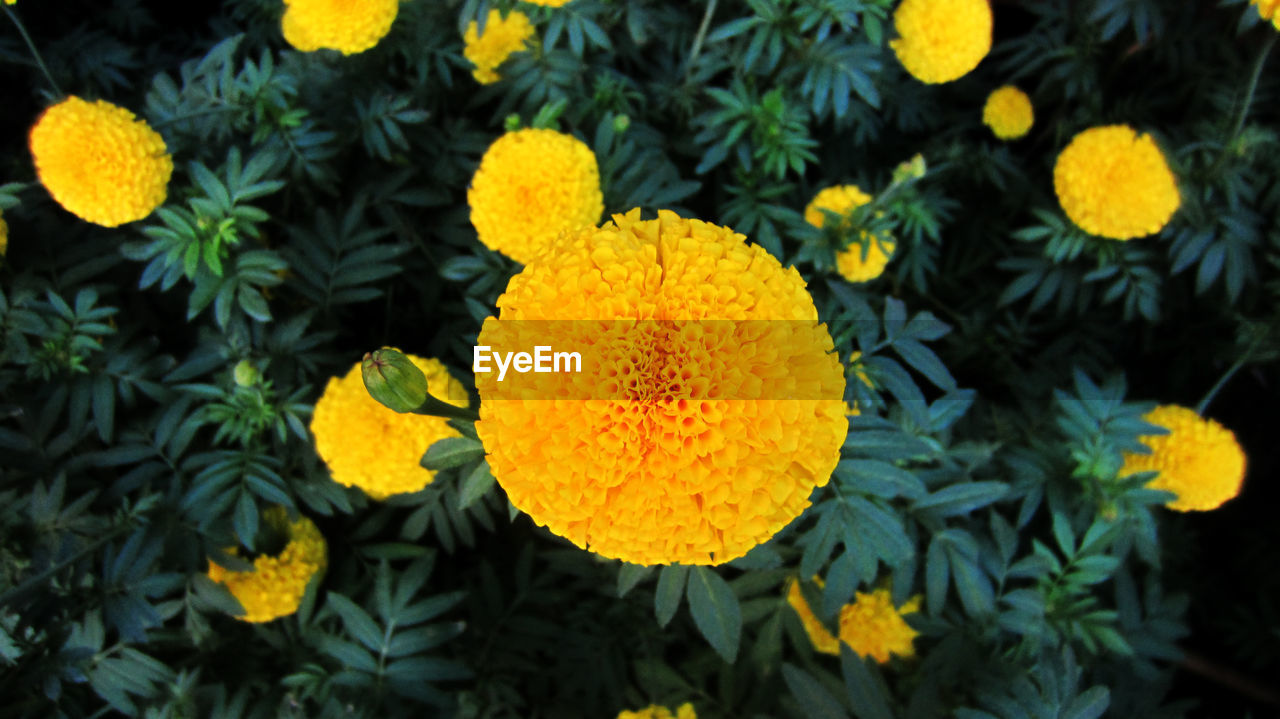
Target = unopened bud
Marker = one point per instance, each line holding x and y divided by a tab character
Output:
621	123
912	169
392	379
246	375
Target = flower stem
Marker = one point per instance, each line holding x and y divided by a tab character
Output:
701	36
22	30
1222	381
1249	92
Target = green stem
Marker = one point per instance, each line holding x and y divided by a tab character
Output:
1222	381
439	408
34	582
701	36
22	30
1249	92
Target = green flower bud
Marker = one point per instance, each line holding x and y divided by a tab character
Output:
246	375
393	380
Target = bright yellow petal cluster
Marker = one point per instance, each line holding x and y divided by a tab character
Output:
873	627
1199	460
1008	113
277	583
502	36
1115	183
377	449
660	712
856	263
531	185
1267	9
100	162
941	40
348	26
690	441
823	640
549	3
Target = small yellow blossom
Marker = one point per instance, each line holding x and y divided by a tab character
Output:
660	712
347	26
100	162
1115	183
873	627
857	262
1008	113
275	586
502	36
1199	460
1267	9
549	3
941	40
531	185
377	449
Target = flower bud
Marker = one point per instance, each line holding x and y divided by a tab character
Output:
246	375
392	379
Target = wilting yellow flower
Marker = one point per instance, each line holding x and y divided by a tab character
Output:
377	449
873	627
1199	460
851	262
100	162
1113	182
823	640
502	36
1267	9
531	185
343	25
708	406
660	712
277	583
941	40
1008	113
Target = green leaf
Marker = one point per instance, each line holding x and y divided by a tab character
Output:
1089	705
715	611
452	452
357	622
629	575
476	485
666	600
814	699
866	694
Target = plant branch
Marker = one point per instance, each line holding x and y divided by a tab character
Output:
22	30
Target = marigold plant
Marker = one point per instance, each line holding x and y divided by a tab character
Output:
502	36
342	25
941	40
1008	113
1199	460
276	584
1115	183
866	257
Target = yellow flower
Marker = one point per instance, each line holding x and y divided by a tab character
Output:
1267	9
277	583
660	712
502	36
374	448
1115	183
549	3
823	640
531	186
941	40
857	262
1199	460
4	236
349	26
873	627
675	444
99	162
1008	113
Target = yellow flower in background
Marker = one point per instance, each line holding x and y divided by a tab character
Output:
1267	9
640	459
377	449
660	712
873	627
532	185
100	162
348	26
4	236
549	3
823	640
502	36
941	40
277	583
1115	183
1008	113
1199	460
855	263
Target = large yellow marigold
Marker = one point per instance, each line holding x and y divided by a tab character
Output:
377	449
660	712
277	583
532	185
502	36
1267	9
1199	460
857	262
348	26
941	40
1113	182
707	408
1008	113
100	162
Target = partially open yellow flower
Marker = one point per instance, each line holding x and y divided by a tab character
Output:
1267	9
941	40
856	263
100	162
377	449
502	36
655	711
1008	113
1199	460
348	26
531	185
707	408
277	583
1115	183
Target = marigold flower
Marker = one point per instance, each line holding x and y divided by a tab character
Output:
277	583
100	162
502	36
660	468
857	262
873	627
1115	183
1199	460
4	236
823	640
941	40
660	712
1008	113
531	185
377	449
1267	9
549	3
342	25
